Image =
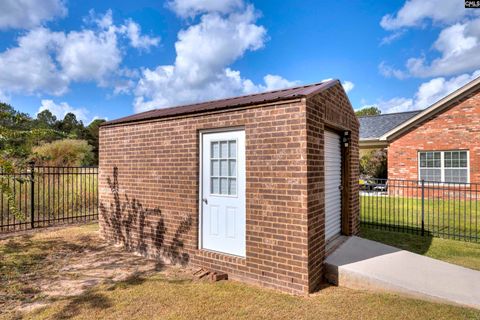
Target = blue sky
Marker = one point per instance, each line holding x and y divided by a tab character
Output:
109	59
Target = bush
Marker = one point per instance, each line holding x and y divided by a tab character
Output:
66	152
374	164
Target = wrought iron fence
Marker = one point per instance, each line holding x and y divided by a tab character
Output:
46	196
448	210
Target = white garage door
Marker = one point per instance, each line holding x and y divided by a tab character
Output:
333	182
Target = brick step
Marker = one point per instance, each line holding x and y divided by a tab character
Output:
213	276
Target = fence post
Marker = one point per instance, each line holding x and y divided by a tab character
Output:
423	207
32	194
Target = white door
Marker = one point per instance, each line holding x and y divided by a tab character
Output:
223	192
333	185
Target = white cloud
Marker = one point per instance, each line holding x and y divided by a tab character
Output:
204	52
89	55
61	109
4	97
392	37
396	104
388	71
348	86
47	61
427	94
31	67
133	32
459	46
456	48
437	88
24	14
191	8
415	12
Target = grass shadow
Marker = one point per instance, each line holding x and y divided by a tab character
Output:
87	300
410	240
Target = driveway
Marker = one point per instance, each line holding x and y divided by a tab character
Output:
364	264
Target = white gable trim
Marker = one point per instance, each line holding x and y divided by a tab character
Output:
437	107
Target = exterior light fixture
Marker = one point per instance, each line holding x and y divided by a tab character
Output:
346	138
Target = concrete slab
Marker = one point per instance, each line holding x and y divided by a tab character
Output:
364	264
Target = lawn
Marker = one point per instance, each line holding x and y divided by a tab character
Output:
462	253
455	218
68	255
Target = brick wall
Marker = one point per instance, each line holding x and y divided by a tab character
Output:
329	110
149	191
454	129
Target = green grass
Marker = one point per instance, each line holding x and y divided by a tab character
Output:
175	295
160	297
465	254
456	219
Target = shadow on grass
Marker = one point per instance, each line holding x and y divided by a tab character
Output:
87	300
410	240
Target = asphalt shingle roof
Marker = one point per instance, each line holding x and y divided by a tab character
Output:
373	127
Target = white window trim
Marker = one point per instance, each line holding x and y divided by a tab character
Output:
442	166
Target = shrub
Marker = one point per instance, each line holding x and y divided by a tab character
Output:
66	152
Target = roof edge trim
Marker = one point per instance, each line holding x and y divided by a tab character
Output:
435	108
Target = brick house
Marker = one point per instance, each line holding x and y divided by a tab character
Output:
252	186
440	143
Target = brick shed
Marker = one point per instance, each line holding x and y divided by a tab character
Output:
253	186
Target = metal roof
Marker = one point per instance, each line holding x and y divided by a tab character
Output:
373	127
234	102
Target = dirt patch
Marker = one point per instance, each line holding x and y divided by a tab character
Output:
86	269
36	269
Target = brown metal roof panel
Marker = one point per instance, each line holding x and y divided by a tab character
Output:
264	97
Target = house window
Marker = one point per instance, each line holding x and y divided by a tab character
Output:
444	166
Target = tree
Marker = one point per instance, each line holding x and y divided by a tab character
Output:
370	111
12	119
46	119
93	136
16	137
374	164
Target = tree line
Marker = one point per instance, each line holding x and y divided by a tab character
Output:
46	139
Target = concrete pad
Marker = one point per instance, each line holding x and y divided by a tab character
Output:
364	264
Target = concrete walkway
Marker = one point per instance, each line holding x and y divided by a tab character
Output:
363	264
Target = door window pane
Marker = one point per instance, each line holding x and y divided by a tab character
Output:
215	150
215	185
232	188
232	147
215	168
224	149
232	168
223	186
224	167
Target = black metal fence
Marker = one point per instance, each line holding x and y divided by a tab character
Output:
448	210
46	196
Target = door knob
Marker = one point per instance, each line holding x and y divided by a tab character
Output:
205	200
